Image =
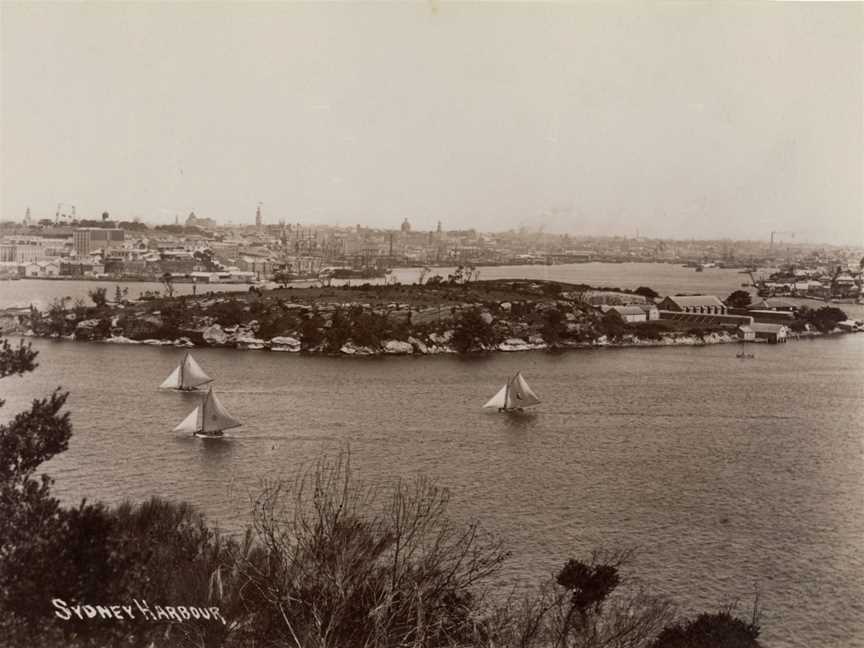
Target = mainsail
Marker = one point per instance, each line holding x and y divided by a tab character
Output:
188	375
520	394
514	394
215	418
210	417
193	374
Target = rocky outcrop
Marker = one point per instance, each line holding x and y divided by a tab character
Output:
215	336
248	343
396	347
418	345
86	330
352	349
285	344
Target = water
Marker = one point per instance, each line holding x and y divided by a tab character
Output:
727	474
41	292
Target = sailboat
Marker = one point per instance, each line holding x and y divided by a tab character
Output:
187	376
209	419
513	396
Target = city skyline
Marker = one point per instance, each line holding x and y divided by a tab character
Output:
681	122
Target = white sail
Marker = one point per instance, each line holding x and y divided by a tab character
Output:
520	394
215	418
190	423
498	400
193	375
172	381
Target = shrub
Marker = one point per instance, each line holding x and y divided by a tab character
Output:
613	325
99	296
229	312
472	332
553	328
339	331
648	293
824	319
355	565
739	299
311	336
719	630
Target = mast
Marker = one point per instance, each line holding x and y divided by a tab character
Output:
507	393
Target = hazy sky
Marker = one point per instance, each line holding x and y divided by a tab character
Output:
679	119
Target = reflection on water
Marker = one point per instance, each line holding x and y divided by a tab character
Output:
725	474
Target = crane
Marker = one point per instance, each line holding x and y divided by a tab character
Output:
61	213
773	234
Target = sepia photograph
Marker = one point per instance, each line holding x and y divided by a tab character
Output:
431	324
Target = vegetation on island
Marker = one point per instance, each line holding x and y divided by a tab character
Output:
327	561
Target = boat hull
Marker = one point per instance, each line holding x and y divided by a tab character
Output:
210	435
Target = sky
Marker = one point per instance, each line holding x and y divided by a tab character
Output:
678	120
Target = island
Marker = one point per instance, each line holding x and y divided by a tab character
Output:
432	318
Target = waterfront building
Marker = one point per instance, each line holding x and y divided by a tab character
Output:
773	333
701	304
746	333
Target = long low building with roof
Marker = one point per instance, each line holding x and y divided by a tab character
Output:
700	304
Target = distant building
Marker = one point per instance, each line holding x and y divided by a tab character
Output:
773	304
773	333
406	226
195	221
651	311
90	239
20	251
746	333
258	221
701	304
628	313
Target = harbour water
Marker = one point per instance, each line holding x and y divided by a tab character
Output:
727	474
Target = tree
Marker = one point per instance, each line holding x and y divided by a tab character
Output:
168	282
311	335
648	293
339	331
57	317
120	295
99	296
824	319
473	331
739	299
29	513
612	325
553	327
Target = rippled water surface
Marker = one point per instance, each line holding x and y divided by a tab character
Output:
727	474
